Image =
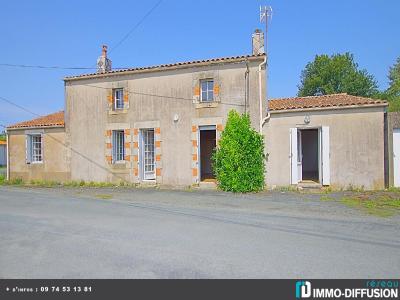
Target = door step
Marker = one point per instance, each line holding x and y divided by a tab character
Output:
208	185
309	185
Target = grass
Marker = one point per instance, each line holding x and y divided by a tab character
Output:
377	204
326	198
74	184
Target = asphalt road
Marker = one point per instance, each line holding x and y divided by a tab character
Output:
74	233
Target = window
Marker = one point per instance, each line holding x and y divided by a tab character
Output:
207	90
118	95
118	146
34	148
148	154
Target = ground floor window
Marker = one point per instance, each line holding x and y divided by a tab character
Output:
118	146
34	148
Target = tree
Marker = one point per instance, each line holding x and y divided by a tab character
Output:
392	94
239	160
336	74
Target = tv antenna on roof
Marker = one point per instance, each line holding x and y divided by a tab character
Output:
265	14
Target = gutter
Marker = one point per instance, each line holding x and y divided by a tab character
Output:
35	127
264	63
8	155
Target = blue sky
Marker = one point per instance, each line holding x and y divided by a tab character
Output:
70	33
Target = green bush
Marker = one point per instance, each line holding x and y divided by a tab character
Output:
239	160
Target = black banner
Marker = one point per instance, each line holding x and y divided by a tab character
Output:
199	289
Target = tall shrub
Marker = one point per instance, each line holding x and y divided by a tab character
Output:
239	160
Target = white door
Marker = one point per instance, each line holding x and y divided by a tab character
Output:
299	157
148	155
396	156
293	157
325	149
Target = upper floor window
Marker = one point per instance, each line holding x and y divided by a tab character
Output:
118	97
118	146
34	148
207	90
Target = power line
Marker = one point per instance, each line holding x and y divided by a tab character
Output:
19	106
136	26
159	96
64	144
52	67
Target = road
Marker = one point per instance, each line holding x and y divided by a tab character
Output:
150	233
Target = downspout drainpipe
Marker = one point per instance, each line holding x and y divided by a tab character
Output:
264	63
8	155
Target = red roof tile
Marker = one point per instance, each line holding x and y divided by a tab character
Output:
3	143
53	120
333	100
167	66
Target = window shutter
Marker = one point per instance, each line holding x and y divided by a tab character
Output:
28	149
114	146
42	146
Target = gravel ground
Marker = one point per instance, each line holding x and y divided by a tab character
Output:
150	233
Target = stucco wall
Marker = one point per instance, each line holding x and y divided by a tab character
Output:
393	121
55	165
88	117
356	145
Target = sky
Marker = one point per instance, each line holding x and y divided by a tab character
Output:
70	34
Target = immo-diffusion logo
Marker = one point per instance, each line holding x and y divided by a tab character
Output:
382	289
303	289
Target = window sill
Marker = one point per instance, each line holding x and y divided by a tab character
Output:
118	111
35	163
119	165
210	104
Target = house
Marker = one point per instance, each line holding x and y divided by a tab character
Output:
334	140
155	124
3	153
38	149
160	125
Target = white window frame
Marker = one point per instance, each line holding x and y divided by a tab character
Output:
147	154
118	99
118	146
35	148
209	90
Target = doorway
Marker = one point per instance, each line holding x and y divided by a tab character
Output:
147	154
308	155
207	145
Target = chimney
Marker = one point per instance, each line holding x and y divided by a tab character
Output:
103	63
258	42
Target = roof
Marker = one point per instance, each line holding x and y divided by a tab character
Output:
52	120
324	101
195	63
3	143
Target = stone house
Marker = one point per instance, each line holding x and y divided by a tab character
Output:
160	125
